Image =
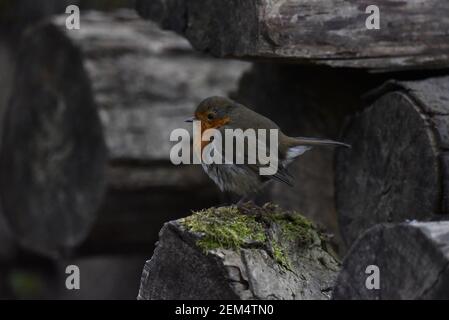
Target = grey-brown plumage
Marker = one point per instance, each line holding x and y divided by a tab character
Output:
242	179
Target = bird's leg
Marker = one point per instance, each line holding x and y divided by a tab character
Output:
244	200
247	206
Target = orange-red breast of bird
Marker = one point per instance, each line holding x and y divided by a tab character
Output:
206	123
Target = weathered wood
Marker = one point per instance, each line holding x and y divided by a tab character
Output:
7	63
412	258
52	151
306	102
398	166
146	82
412	33
274	258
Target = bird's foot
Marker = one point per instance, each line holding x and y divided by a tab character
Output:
248	207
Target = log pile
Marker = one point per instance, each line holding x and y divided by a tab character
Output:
139	84
132	85
85	118
396	122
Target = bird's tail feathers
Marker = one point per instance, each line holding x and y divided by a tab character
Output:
301	141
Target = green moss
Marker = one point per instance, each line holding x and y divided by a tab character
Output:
224	228
228	228
280	255
295	227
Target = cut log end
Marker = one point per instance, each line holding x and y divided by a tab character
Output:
53	153
225	253
397	167
410	262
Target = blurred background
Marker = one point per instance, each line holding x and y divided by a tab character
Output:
85	119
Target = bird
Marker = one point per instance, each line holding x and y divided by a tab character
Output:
244	180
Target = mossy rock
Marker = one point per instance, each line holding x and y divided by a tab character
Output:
247	252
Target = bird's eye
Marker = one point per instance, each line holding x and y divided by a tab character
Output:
210	116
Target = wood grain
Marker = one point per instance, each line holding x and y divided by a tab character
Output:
398	166
412	258
413	34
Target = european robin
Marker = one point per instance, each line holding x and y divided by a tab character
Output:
244	179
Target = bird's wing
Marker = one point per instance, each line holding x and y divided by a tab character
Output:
249	155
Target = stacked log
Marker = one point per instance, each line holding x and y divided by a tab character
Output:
54	170
398	167
319	32
52	155
410	261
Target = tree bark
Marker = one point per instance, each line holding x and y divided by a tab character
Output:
411	34
398	167
412	258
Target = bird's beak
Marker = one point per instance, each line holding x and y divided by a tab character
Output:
190	119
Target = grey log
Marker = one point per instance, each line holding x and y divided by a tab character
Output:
413	262
412	33
398	167
181	269
52	158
